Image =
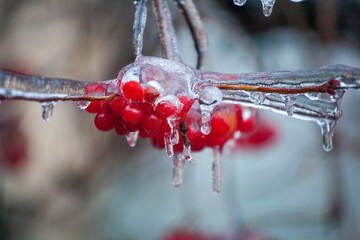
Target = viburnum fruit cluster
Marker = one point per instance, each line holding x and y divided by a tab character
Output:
140	108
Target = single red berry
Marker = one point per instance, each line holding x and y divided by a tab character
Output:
104	121
151	94
219	127
106	107
151	122
186	105
334	82
117	105
133	91
166	108
247	120
158	140
94	107
147	107
331	91
119	126
132	113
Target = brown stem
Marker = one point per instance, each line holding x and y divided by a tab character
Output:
196	27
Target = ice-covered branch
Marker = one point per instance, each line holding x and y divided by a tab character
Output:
196	27
139	26
166	30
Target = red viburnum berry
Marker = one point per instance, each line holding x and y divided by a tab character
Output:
219	127
94	107
117	105
151	122
119	126
151	94
147	107
186	105
104	121
246	119
132	113
166	108
133	91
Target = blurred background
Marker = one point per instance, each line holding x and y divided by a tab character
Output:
64	179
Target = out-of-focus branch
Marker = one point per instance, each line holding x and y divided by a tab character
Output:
166	30
139	26
196	27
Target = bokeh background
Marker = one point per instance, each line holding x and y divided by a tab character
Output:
66	180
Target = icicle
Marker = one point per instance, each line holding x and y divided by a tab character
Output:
313	95
179	163
327	131
139	26
174	134
47	110
289	104
257	97
268	6
169	147
239	2
206	112
131	138
82	104
216	168
186	155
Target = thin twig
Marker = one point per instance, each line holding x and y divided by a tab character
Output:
139	26
196	27
166	30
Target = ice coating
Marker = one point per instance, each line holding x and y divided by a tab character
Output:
132	138
179	163
239	2
216	169
139	25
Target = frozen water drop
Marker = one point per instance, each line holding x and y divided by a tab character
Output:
216	169
47	110
131	138
169	147
267	6
210	95
257	97
289	104
82	104
174	134
239	2
179	163
186	155
313	95
206	112
327	131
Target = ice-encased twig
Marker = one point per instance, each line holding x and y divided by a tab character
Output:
196	27
44	89
139	26
166	30
286	82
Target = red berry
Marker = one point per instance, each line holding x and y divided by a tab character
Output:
151	94
133	91
132	113
119	126
151	122
219	127
247	120
147	107
106	107
117	105
104	121
166	108
94	107
186	105
334	82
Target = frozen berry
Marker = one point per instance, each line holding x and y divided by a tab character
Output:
219	127
117	105
186	105
166	108
151	122
132	113
151	94
94	107
119	126
147	107
133	91
104	121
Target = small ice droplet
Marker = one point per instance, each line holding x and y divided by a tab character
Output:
216	169
174	134
186	155
327	131
239	2
257	97
131	138
179	163
313	95
82	104
47	110
169	147
206	112
267	6
210	95
289	104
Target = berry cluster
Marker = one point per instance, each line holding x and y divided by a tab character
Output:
143	110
